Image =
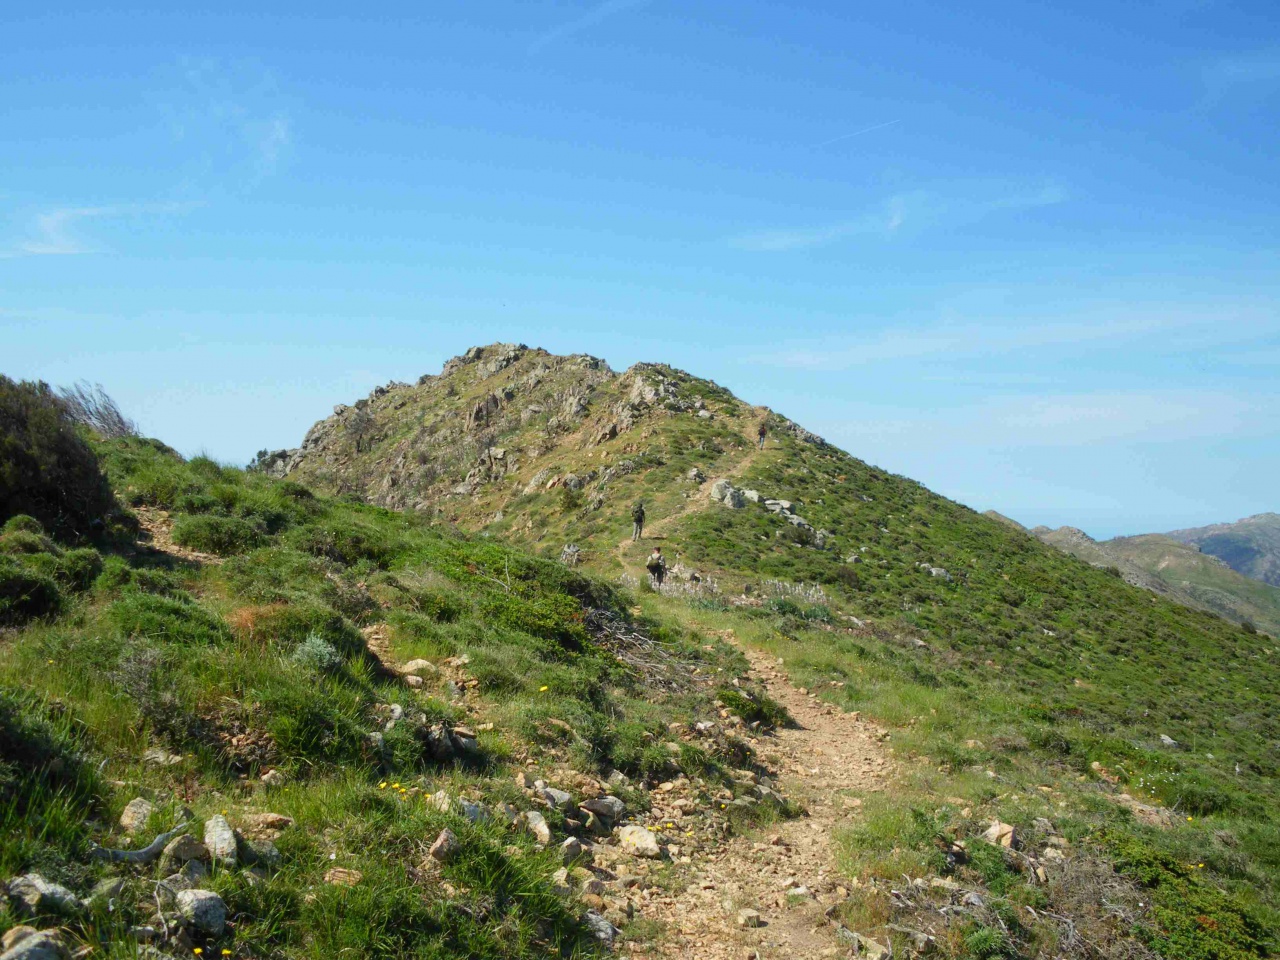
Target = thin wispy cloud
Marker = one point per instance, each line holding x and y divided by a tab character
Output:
597	14
917	208
1178	329
58	232
232	117
1073	420
856	133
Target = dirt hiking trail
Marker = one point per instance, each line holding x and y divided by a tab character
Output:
820	762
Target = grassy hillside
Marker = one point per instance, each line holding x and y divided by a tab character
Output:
250	667
243	658
1003	656
1250	546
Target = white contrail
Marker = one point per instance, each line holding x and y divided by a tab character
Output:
857	133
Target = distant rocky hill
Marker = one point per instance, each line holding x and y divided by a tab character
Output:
1250	546
1176	570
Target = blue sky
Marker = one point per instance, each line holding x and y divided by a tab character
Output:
1028	256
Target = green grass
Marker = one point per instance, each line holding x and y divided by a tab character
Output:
259	663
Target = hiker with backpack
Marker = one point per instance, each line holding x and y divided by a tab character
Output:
637	521
760	434
657	567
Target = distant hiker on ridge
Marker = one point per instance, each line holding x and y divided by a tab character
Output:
760	434
657	566
637	521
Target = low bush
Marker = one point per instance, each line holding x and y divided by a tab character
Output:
754	707
48	471
171	619
224	536
25	594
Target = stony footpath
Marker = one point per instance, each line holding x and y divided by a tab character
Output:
766	896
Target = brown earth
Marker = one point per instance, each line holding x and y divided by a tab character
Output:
823	762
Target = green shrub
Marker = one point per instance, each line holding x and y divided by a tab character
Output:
1191	919
117	575
47	469
342	542
171	619
224	536
25	594
285	626
23	524
23	541
317	653
754	707
79	568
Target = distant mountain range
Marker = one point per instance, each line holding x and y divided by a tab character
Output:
1232	569
1250	546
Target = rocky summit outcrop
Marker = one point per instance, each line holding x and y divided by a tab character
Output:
506	420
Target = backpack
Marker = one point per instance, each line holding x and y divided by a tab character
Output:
637	513
655	562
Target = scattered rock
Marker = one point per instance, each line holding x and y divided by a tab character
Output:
273	778
1001	834
11	937
537	825
204	910
180	850
722	491
259	853
38	945
638	842
557	799
1167	740
161	758
419	668
560	882
266	826
136	814
342	877
600	928
607	807
220	841
750	918
36	896
575	851
446	846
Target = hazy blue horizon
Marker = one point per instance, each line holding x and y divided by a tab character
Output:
1026	256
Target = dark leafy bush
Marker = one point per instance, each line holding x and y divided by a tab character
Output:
25	594
47	469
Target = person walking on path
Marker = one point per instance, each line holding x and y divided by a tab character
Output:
760	435
657	566
637	521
